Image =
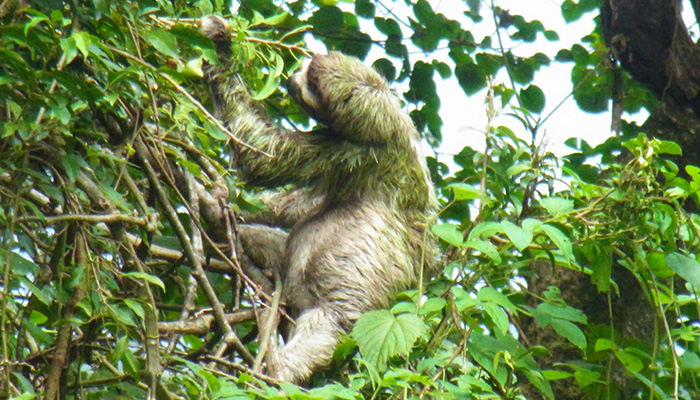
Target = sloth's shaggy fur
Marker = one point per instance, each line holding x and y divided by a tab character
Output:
366	235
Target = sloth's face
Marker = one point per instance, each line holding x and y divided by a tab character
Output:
350	98
305	88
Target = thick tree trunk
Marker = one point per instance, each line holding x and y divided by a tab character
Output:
651	41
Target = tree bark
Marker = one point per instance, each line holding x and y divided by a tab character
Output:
651	42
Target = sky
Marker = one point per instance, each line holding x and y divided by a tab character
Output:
464	116
566	122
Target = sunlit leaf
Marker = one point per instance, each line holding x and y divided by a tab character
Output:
381	335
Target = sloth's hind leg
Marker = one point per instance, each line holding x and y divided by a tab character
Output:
310	347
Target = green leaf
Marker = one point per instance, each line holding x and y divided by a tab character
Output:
464	191
686	267
276	19
557	206
571	332
364	9
604	344
600	257
518	168
146	277
485	247
519	236
214	131
432	305
690	361
470	78
163	41
123	315
629	360
498	316
552	36
381	335
38	293
276	68
533	99
559	239
72	164
489	294
449	233
37	317
566	312
329	18
136	307
24	396
82	42
553	374
70	48
194	67
463	299
666	147
485	229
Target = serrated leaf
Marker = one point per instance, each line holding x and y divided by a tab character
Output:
517	235
381	335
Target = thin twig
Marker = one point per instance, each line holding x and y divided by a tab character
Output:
194	101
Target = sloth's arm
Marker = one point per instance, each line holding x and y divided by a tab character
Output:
297	157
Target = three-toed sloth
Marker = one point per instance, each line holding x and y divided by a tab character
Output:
364	235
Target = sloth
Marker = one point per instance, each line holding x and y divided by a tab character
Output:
367	200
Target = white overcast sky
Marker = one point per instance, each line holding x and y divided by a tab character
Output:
465	117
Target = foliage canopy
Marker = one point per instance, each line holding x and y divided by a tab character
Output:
573	277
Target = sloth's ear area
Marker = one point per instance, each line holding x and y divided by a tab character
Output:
219	31
305	93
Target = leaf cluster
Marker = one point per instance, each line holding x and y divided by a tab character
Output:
573	277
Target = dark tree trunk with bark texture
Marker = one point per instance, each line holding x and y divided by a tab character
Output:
651	42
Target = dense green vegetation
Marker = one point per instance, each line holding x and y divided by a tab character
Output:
571	277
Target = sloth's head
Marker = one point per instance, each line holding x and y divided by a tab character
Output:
351	99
